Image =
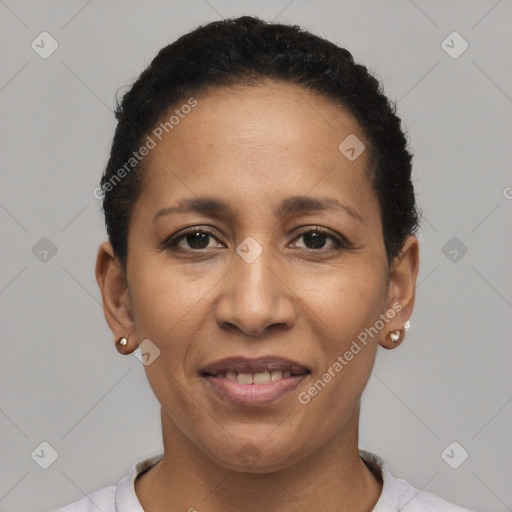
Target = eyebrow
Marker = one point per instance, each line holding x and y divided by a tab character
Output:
289	206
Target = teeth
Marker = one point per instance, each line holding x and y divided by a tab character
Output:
244	378
261	378
276	375
231	376
255	378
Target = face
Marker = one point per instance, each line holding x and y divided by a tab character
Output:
255	254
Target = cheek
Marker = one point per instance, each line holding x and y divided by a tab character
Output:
163	297
348	305
168	309
164	306
348	299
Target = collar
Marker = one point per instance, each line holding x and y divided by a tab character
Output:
388	499
126	498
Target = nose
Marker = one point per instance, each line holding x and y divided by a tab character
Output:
255	298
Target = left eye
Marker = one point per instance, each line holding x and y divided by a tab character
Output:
316	239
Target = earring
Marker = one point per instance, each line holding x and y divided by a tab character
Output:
395	336
407	325
121	344
122	341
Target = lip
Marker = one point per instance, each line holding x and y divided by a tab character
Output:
254	365
253	394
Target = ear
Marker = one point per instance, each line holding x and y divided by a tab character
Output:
115	294
401	290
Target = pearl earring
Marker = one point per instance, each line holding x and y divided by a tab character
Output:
394	336
122	341
121	344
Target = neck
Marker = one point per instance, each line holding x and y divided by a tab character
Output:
332	478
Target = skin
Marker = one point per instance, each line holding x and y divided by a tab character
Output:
253	147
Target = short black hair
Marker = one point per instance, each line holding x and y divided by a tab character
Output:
244	51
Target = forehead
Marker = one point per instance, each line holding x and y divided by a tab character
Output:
271	139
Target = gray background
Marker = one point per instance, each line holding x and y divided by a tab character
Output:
63	382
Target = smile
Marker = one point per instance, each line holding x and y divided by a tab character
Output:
254	382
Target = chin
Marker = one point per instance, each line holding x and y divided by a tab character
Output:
248	456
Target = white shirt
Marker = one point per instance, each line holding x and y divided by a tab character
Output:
397	495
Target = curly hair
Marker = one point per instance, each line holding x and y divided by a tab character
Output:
244	51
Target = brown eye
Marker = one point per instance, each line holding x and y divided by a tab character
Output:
192	239
314	239
317	238
197	240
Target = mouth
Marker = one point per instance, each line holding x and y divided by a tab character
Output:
251	382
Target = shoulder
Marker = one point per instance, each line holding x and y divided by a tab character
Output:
103	499
397	494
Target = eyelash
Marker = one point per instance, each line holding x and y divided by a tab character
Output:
171	243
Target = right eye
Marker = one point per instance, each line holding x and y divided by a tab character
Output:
192	239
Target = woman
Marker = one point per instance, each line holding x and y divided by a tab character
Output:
261	221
